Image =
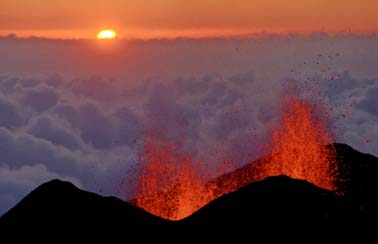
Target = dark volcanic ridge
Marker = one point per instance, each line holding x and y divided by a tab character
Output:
271	203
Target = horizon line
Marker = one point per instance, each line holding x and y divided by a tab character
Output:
263	34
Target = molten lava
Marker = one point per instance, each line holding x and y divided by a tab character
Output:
299	145
170	183
173	186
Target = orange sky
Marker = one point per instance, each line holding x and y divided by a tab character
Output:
169	18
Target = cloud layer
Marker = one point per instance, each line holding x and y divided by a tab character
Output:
71	113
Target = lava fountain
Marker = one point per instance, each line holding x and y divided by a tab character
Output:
170	184
173	186
299	148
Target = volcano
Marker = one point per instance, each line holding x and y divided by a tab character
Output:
60	207
173	185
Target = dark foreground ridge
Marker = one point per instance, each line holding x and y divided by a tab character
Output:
274	203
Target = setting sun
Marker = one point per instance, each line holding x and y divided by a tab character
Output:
106	34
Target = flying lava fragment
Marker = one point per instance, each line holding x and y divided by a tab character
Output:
173	186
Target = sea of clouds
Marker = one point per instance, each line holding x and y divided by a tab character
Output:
78	111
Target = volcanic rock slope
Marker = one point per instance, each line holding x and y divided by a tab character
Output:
274	203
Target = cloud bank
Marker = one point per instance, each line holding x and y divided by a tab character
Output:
74	111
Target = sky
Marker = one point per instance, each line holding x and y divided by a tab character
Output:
172	18
77	109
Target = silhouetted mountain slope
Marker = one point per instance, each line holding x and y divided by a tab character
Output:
359	172
274	202
58	206
271	204
358	179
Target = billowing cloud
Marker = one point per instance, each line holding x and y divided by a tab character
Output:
370	102
54	131
18	149
40	99
208	92
10	115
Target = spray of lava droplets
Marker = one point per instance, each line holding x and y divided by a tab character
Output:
300	148
173	186
170	184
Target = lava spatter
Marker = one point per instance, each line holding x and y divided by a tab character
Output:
173	185
299	145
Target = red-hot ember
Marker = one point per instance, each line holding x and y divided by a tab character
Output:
173	186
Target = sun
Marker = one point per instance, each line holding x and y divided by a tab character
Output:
106	34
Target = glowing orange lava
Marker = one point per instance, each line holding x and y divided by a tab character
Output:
173	185
299	145
170	183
